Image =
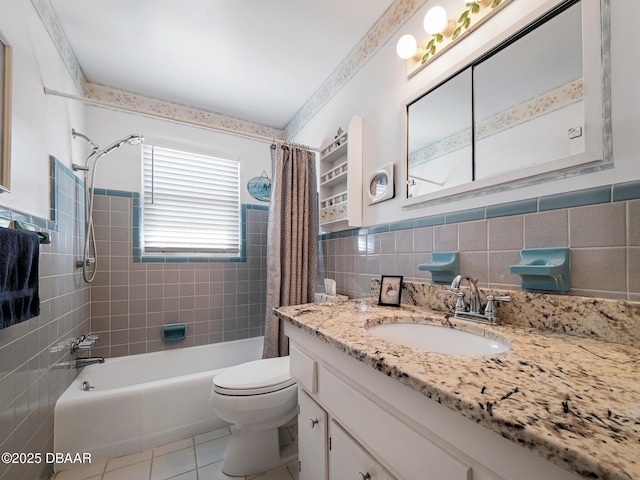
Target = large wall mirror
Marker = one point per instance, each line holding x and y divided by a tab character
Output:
517	111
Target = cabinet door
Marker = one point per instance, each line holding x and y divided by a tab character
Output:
348	460
387	476
312	439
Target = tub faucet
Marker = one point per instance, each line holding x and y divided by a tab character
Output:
475	311
83	362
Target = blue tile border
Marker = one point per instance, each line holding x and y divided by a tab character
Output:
626	191
56	170
512	208
579	198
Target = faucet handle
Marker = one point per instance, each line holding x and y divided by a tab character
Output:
499	298
491	310
460	306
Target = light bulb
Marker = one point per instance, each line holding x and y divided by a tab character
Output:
406	46
435	21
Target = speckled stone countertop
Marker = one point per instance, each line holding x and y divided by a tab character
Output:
574	400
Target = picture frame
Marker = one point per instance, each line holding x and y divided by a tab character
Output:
5	114
390	290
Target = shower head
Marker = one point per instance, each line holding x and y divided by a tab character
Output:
133	139
130	139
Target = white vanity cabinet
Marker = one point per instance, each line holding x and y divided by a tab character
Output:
336	421
365	423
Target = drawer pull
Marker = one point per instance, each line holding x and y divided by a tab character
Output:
363	476
313	422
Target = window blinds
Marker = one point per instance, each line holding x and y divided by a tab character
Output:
191	202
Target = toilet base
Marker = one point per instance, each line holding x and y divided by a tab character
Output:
250	452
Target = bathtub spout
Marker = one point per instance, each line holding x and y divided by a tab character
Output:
83	362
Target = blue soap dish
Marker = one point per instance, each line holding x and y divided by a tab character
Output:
544	269
443	266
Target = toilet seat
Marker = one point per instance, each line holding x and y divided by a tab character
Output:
254	378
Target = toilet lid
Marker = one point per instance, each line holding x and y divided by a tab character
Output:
254	378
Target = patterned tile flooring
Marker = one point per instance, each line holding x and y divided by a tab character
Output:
196	458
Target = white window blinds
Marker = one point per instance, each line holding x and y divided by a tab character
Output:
191	202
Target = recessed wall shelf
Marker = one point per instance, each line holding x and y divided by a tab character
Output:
444	266
544	269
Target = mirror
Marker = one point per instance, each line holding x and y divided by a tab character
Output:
439	137
539	77
515	112
5	115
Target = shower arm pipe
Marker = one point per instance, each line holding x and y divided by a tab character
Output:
102	103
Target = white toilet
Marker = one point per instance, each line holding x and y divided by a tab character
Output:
260	399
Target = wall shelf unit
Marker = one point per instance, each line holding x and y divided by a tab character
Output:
341	180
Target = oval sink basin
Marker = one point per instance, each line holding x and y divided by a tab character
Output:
434	338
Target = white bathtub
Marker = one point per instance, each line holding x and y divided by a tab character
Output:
142	401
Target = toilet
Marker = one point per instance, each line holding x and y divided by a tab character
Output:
260	400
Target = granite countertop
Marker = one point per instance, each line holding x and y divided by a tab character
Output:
576	401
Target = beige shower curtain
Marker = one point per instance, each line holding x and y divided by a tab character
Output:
292	239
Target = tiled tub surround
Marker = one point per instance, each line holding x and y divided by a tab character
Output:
571	399
30	384
132	299
601	226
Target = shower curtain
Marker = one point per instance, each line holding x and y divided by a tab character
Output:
292	239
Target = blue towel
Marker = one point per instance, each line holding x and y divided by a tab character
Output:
19	299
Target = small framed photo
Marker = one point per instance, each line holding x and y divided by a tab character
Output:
390	290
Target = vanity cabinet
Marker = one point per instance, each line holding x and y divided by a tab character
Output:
341	180
327	451
367	423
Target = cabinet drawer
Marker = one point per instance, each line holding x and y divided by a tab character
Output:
394	442
304	369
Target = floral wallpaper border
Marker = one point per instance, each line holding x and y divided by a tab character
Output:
172	111
555	99
377	36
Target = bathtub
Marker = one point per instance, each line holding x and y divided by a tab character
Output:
145	400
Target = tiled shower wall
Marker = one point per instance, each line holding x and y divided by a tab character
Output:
132	300
601	227
30	382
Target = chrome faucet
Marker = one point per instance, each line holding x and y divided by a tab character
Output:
475	305
475	311
83	362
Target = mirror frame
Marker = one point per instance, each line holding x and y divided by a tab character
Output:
598	145
5	115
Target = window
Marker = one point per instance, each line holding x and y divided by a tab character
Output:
191	203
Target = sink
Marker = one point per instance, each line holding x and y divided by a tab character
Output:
435	338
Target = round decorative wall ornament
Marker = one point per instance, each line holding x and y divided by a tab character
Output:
260	187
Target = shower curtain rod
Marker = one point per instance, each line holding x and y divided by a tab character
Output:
101	103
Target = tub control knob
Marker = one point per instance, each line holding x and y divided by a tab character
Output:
313	422
363	476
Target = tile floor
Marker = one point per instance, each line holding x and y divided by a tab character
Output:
197	458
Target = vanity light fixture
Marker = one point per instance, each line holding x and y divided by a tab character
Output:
436	22
407	47
444	31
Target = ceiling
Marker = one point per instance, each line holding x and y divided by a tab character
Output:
253	60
